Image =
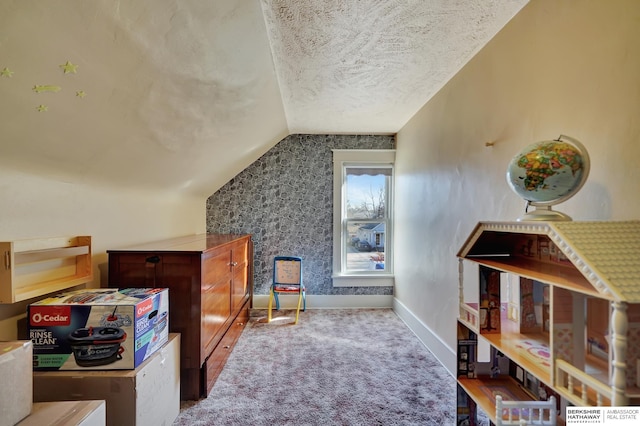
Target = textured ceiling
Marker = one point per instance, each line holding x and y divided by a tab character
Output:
182	96
351	66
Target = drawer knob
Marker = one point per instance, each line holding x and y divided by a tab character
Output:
227	346
233	263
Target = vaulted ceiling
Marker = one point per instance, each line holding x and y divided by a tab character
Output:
182	95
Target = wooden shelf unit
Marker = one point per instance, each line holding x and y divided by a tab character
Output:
36	267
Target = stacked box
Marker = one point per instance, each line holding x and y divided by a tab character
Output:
98	329
17	379
67	413
148	395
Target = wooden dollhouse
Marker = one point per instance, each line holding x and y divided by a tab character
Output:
552	314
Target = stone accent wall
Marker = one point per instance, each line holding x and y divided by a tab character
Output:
285	200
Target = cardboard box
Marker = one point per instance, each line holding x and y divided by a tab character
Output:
148	395
17	385
99	329
67	413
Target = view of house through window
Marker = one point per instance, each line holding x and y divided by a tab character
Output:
362	217
366	193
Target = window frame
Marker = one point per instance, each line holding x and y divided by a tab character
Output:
342	159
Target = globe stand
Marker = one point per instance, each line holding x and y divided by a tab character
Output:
547	173
543	213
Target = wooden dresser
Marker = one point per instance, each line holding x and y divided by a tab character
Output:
210	280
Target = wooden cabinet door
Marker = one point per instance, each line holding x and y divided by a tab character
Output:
240	282
216	298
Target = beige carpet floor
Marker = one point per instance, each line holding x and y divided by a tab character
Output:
335	367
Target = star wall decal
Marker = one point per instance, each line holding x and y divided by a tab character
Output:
42	108
68	67
81	94
6	72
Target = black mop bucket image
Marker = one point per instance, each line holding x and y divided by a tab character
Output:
94	346
161	322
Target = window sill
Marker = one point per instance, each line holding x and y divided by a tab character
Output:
363	280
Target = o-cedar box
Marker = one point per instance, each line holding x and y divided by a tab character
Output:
98	329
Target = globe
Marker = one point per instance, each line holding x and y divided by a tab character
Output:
547	173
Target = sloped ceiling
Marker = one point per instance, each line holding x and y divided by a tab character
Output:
182	95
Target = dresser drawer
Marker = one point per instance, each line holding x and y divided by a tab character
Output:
215	363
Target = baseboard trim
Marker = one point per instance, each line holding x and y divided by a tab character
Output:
315	301
437	346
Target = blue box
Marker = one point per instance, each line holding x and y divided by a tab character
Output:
98	329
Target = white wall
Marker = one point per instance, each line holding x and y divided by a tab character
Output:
180	96
35	207
559	67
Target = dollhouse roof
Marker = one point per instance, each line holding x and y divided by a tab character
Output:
607	254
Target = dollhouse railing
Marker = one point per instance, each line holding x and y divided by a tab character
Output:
469	315
514	413
580	388
468	312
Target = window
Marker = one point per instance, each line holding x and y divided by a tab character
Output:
362	211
